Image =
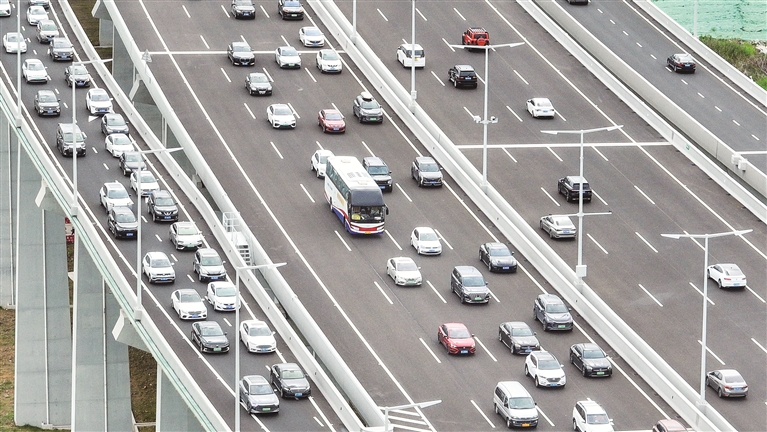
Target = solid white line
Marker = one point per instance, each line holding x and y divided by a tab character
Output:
544	415
430	351
368	148
383	293
307	193
249	111
319	411
441	237
419	13
285	40
319	423
382	14
186	11
701	293
515	115
267	75
495	239
439	80
310	74
448	44
755	294
521	77
225	75
509	155
436	292
597	243
644	195
759	345
392	239
646	242
560	115
227	322
712	353
651	296
469	112
459	14
555	154
482	414
275	149
319	145
485	348
342	241
403	192
551	197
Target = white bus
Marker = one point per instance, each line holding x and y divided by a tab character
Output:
354	196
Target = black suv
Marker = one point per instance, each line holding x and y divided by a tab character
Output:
162	206
462	76
243	9
469	285
367	109
552	312
61	49
570	185
376	167
121	222
66	133
290	9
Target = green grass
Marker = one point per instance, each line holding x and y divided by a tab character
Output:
741	54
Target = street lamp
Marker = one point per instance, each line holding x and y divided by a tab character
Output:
147	59
492	119
412	63
237	339
137	311
18	64
580	269
705	296
412	405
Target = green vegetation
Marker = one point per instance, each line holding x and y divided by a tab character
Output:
741	54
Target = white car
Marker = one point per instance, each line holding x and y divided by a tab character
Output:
329	61
558	226
540	107
35	14
185	235
404	271
311	37
281	116
425	241
33	70
410	55
158	268
319	160
148	182
97	101
114	194
727	275
5	8
287	57
188	304
222	295
545	369
589	416
117	144
257	337
14	42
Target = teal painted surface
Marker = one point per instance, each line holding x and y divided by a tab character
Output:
741	19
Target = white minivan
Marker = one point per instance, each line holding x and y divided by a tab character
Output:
515	405
410	54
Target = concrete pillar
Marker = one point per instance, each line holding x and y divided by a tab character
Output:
43	338
8	161
172	413
119	412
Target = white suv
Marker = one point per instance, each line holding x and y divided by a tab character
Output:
589	416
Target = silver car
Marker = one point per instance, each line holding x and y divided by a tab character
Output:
287	57
727	383
47	103
257	395
558	226
158	268
185	235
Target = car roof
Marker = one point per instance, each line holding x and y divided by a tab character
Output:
46	92
589	346
407	45
121	209
592	407
496	245
728	372
373	160
577	179
279	105
402	259
33	60
324	152
212	324
157	254
254	379
454	325
538	100
287	366
366	96
543	355
255	322
218	284
517	324
464	67
424	229
550	298
186	291
477	29
207	251
425	159
240	43
465	270
185	224
97	90
157	193
114	185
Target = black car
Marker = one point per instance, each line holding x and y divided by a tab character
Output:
590	360
46	103
161	205
257	83
681	63
552	312
243	9
497	257
570	186
367	109
114	123
61	49
240	54
122	223
462	76
209	337
426	172
290	380
518	336
469	285
290	9
131	161
376	167
68	135
77	75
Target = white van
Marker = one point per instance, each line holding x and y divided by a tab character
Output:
515	405
409	55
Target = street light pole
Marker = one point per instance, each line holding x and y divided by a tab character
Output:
412	62
237	339
580	268
705	296
412	405
485	121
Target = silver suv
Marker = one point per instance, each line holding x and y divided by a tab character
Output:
469	285
376	167
552	312
66	135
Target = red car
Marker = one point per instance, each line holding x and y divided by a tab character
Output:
456	338
475	36
331	120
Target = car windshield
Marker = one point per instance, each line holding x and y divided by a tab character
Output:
212	331
68	137
548	364
118	139
330	55
13	37
189	297
79	70
258	78
313	31
227	291
211	261
468	73
473	281
243	3
429	167
47	97
132	157
378	170
98	96
333	115
556	308
259	331
61	43
164	201
521	403
240	48
406	266
35	66
292	374
117	193
418	52
562	221
116	121
593	354
597	419
522	331
499	251
187	230
367	213
324	159
148	178
289	51
292	3
460	333
125	217
428	236
36	10
282	110
369	104
160	262
260	389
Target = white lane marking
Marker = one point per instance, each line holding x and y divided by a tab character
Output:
392	239
479	77
485	348
469	112
436	292
266	14
403	192
544	415
560	115
555	154
639	45
342	241
701	95
717	108
295	113
441	237
204	42
476	218
492	294
651	296
439	80
225	75
105	166
243	39
267	75
186	11
600	153
597	243
594	193
382	14
364	144
448	44
307	193
334	106
174	257
274	146
759	345
509	155
319	145
683	81
459	14
419	13
383	293
310	74
653	57
249	111
624	32
712	353
755	137
227	322
755	294
158	238
226	12
515	114
646	242
482	414
644	195
612	22
554	200
319	411
701	293
521	77
735	121
425	345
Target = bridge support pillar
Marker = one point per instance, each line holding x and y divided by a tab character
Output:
8	160
172	412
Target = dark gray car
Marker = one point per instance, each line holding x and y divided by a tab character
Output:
290	380
376	167
209	337
497	257
61	49
469	285
258	396
114	123
122	223
552	312
162	206
240	54
257	83
131	161
77	75
518	336
243	9
590	360
47	103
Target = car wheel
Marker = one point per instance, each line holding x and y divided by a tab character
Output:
527	372
551	234
719	392
575	425
545	325
455	83
495	407
535	315
719	282
583	370
463	298
508	423
535	379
